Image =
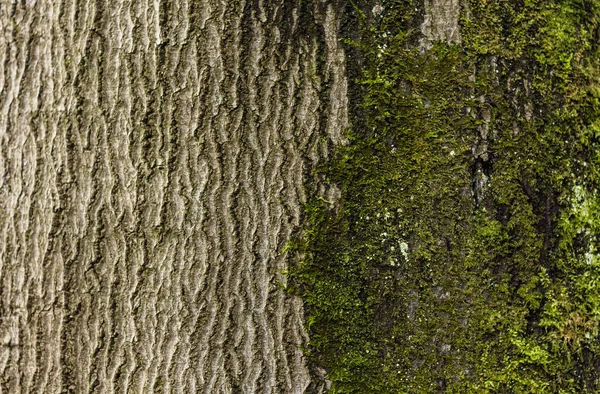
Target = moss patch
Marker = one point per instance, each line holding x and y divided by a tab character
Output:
464	253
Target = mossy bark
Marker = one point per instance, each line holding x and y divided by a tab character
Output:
155	158
464	253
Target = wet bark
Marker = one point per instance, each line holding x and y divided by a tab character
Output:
153	163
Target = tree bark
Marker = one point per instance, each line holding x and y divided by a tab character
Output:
152	167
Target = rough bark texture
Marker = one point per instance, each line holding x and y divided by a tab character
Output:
440	22
152	166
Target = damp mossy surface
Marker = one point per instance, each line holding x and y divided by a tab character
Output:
463	256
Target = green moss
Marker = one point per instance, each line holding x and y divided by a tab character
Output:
464	253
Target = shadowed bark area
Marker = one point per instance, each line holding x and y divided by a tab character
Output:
153	156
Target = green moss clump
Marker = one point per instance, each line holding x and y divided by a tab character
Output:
464	254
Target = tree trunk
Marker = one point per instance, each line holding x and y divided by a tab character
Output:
155	158
152	167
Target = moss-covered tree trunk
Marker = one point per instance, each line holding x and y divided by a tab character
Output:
464	254
153	156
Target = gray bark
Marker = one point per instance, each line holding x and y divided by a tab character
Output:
153	157
440	22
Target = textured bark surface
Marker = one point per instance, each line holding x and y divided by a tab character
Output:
152	167
441	22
